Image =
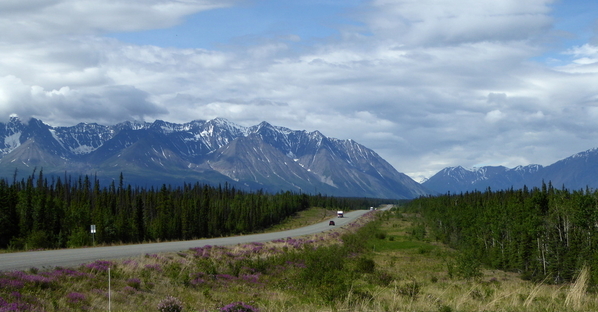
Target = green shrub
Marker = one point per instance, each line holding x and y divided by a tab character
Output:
38	239
410	289
468	266
323	262
419	232
380	235
365	265
79	238
382	278
354	243
445	308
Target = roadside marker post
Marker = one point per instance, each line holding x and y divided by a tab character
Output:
93	233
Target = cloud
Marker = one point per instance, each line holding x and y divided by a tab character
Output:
109	104
585	59
43	19
426	84
438	22
494	116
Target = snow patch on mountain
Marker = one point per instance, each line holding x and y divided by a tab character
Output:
583	154
12	141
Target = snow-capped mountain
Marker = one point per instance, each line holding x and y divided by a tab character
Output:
459	179
214	151
575	172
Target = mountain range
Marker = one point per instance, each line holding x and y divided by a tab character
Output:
260	157
575	172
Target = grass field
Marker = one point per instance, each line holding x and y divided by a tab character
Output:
383	262
303	218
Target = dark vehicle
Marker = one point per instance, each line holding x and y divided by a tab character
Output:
331	223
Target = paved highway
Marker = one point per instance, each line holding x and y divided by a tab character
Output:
74	257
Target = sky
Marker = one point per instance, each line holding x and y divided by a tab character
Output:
426	84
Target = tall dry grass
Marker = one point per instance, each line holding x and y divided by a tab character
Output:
577	291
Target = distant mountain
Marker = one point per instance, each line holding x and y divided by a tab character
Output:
214	152
459	179
575	172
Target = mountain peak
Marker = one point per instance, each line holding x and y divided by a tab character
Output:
216	151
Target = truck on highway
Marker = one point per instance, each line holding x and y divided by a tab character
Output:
339	214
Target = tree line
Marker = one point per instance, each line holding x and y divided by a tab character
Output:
57	212
547	234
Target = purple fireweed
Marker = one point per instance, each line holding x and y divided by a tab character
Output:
134	283
251	278
99	265
256	249
129	290
197	281
225	277
16	295
170	304
61	272
201	252
155	267
6	283
131	263
20	279
16	307
75	297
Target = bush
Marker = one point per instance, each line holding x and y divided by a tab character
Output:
445	308
38	240
380	235
365	265
323	262
354	242
79	238
468	266
410	289
170	304
325	273
419	232
382	278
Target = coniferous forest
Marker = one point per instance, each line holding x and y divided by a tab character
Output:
546	234
57	212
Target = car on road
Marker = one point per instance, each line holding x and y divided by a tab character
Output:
331	222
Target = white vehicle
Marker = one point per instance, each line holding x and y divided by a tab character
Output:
339	214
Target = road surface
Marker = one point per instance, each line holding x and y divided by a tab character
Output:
74	257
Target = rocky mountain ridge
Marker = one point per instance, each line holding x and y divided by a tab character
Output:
215	151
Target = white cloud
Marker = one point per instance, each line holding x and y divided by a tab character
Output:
426	84
440	22
40	19
63	106
494	116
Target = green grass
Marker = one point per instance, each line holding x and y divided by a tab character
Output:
303	218
397	245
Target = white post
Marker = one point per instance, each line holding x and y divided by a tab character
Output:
93	233
109	290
